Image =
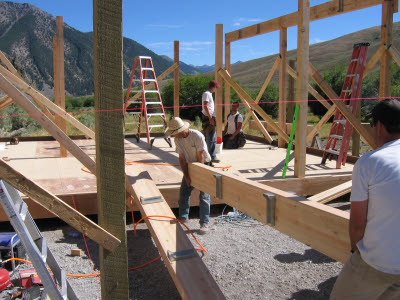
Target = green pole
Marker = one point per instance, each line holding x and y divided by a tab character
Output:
296	111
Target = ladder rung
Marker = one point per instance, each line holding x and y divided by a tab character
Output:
23	210
134	113
144	57
147	69
155	114
351	75
335	152
335	136
154	126
151	91
153	102
347	91
132	123
354	59
340	121
149	80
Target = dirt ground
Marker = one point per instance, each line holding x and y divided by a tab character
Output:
248	261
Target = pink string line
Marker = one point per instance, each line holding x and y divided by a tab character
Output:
188	106
87	249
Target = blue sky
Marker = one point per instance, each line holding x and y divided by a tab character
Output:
156	24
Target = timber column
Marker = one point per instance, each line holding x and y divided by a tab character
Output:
303	36
59	77
218	65
176	79
282	84
110	171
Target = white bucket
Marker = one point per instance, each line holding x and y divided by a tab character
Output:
218	148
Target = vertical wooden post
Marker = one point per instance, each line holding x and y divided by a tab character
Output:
59	80
303	36
110	171
227	86
282	84
291	94
218	65
385	83
176	79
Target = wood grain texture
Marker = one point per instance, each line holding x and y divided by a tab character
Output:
318	12
332	193
303	55
385	82
176	79
110	171
219	37
282	82
319	226
191	276
59	80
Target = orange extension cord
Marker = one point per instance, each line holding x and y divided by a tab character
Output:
134	230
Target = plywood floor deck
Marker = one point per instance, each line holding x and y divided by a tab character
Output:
62	176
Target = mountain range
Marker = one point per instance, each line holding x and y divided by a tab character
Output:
26	34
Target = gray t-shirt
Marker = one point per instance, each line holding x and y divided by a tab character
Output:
192	144
376	178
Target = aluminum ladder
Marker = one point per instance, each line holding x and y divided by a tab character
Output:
149	99
35	244
341	129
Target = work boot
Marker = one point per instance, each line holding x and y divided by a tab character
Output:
204	229
215	160
184	220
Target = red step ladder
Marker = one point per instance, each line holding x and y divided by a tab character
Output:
341	129
149	98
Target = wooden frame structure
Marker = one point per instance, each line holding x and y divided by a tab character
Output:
307	220
302	18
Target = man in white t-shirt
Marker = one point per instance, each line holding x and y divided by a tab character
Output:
373	270
233	127
208	119
191	147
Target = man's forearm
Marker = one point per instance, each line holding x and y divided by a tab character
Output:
207	111
184	167
356	234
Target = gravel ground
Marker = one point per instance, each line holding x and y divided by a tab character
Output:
248	262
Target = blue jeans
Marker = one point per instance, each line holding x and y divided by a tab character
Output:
211	141
184	203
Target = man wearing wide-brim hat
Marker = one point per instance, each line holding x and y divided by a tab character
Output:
191	147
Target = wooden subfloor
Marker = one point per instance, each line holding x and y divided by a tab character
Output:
64	176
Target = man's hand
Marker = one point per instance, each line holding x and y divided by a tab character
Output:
212	122
231	137
188	180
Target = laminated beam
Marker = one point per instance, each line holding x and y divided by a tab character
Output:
318	12
303	57
332	193
176	79
191	276
58	207
219	37
385	82
319	226
227	91
45	101
246	98
282	82
265	84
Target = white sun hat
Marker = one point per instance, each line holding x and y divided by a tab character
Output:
175	126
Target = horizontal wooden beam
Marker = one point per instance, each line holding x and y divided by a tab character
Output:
319	226
350	117
317	12
37	96
332	193
270	130
191	276
257	121
244	96
58	207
